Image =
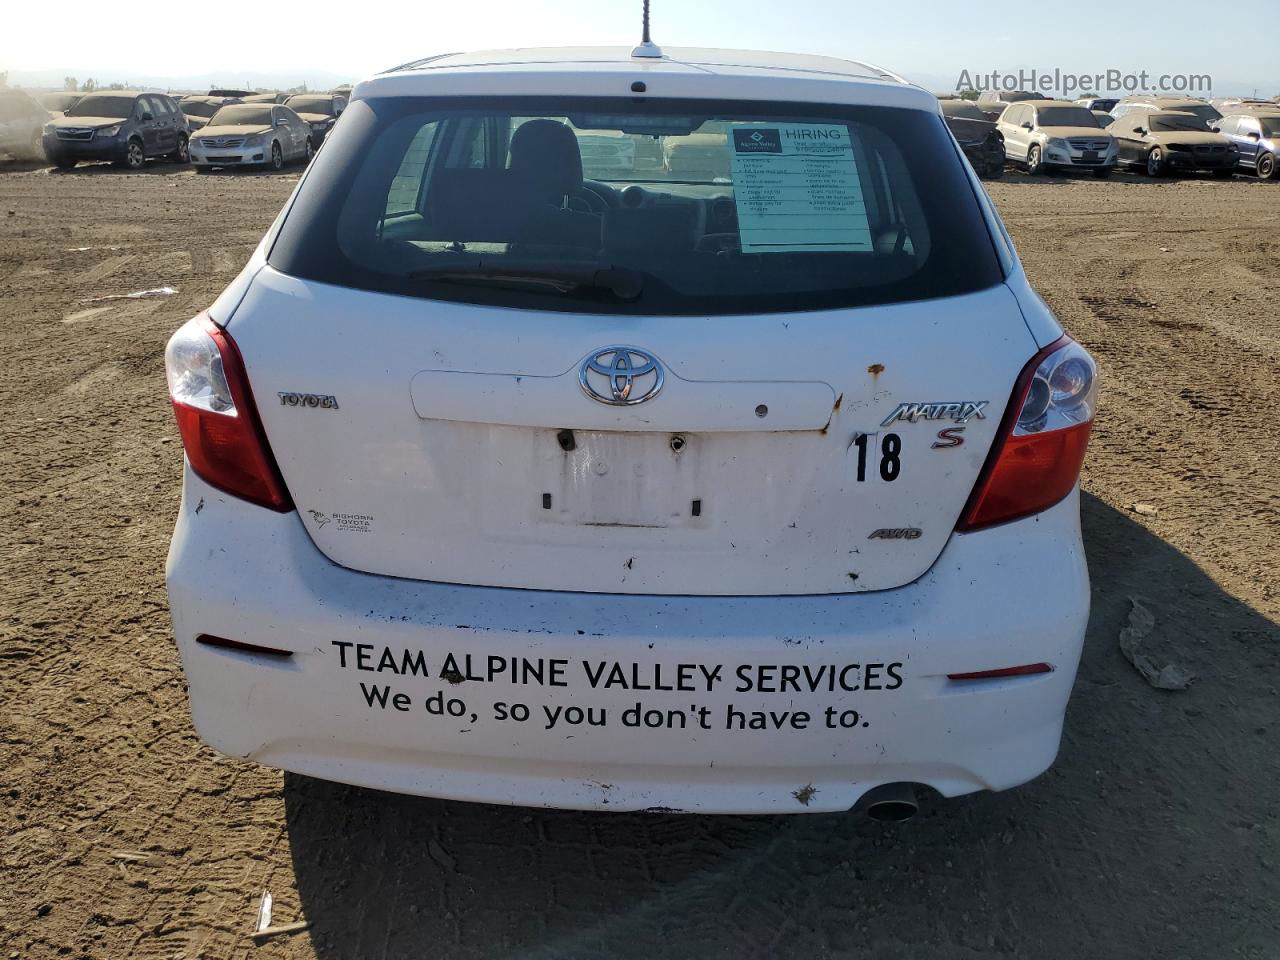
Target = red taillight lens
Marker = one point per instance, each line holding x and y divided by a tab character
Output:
1026	670
219	424
1037	456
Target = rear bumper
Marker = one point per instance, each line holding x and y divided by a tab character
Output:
1012	595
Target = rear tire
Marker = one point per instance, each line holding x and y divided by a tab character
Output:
1267	166
995	170
1155	162
183	153
311	151
277	156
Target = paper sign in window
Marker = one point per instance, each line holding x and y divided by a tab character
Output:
797	189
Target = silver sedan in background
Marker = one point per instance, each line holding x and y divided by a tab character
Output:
245	134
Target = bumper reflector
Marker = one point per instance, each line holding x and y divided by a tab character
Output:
1022	671
211	641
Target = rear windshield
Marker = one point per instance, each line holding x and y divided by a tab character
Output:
119	108
199	108
1204	111
1170	122
241	114
311	105
607	205
1270	127
962	110
1065	117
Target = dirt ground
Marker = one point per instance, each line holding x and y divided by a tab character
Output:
1157	834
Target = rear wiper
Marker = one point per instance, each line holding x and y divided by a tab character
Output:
624	284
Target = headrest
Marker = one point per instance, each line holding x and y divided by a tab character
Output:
546	153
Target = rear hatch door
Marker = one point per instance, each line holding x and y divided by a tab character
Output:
823	452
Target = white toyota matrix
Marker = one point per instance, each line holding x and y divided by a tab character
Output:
613	429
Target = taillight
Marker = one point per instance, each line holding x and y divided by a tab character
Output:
1026	670
219	424
1036	459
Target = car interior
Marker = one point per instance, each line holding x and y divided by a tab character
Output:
521	182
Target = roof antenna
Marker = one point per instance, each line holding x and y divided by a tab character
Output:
647	47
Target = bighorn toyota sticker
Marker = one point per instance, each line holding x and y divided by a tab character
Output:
958	412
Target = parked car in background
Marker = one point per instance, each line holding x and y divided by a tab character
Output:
416	394
59	103
320	110
1230	105
993	102
1200	108
231	92
1257	109
1163	142
198	109
700	157
22	121
265	98
1049	135
1257	138
122	126
979	138
1098	104
243	134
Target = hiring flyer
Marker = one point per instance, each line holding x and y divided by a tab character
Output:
797	189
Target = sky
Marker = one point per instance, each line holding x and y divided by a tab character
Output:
322	42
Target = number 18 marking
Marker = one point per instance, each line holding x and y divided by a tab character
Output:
890	456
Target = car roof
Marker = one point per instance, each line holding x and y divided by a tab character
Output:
1046	103
1161	99
679	72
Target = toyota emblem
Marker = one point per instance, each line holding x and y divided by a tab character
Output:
621	376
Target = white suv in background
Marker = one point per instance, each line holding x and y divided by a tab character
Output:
519	475
1046	135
